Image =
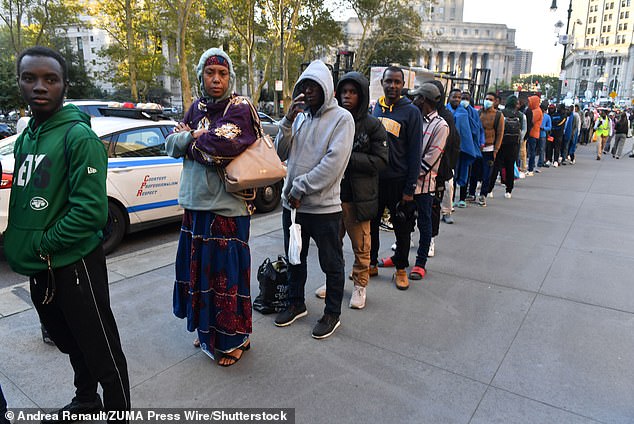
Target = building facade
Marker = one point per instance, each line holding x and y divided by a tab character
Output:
600	55
523	62
452	46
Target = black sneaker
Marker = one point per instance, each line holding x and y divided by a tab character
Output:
290	315
326	326
77	407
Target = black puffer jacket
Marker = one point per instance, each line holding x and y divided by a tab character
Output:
360	184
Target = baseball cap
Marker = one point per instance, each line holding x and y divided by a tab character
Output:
427	90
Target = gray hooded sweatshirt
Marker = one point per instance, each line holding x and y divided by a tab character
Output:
317	148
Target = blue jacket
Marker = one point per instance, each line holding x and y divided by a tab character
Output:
403	123
546	126
568	128
469	141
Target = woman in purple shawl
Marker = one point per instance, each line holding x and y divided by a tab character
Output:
213	262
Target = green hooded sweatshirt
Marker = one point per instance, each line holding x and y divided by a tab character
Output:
58	202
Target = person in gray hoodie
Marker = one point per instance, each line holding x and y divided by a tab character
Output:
315	138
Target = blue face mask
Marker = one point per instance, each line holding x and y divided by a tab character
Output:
464	103
487	104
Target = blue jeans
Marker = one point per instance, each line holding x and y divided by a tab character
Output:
541	150
481	171
423	204
531	143
573	146
324	229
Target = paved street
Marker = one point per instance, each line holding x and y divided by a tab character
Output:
526	316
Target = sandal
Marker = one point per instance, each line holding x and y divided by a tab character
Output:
386	263
232	358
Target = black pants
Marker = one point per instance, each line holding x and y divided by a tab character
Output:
558	140
436	207
390	193
505	159
3	408
80	322
324	229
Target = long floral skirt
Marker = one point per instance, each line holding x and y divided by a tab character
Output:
213	274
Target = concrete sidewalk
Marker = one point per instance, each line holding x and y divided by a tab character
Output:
526	316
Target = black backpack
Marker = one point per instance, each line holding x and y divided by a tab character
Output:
512	127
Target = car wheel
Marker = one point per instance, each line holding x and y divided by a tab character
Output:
115	227
267	198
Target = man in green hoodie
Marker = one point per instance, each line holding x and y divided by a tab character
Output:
57	209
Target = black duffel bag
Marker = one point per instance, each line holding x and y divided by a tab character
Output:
272	276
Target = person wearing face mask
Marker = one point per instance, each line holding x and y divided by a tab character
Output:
469	143
435	131
493	124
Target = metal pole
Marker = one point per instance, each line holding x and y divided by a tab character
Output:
563	57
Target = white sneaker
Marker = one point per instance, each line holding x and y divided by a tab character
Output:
522	175
394	247
547	164
321	292
432	249
490	195
507	195
530	173
357	301
555	164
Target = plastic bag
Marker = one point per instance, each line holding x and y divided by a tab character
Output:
272	276
295	241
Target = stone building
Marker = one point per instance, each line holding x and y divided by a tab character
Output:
600	52
453	46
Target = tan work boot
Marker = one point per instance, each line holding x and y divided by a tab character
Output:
374	270
400	278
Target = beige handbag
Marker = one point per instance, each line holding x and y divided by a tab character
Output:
257	166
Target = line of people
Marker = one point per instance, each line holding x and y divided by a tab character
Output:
345	167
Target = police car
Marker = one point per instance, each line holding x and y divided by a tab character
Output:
142	182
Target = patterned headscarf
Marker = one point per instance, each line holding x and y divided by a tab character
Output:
218	57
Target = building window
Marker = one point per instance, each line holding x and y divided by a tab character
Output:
465	31
609	28
627	14
92	38
476	31
625	27
488	32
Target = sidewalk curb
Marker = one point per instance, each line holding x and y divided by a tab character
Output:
13	298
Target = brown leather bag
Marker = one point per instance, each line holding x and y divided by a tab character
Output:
257	166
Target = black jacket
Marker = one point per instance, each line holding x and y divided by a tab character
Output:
360	184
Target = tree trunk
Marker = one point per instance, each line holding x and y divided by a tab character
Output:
130	51
183	17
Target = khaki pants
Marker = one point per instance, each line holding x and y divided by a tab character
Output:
601	144
523	155
447	198
359	233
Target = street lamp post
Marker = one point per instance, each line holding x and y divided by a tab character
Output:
553	7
